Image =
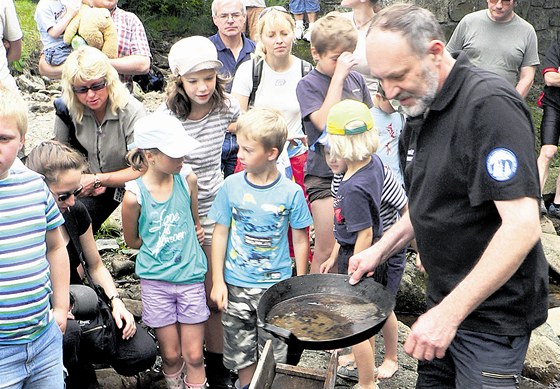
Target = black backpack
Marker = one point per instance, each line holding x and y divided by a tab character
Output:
306	67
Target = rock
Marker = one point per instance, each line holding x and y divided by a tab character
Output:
40	96
121	267
541	362
40	107
134	306
104	245
28	83
411	297
554	320
551	246
547	226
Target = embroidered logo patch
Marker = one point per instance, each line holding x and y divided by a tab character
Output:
501	164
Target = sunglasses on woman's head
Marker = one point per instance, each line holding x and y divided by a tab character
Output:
94	87
273	8
65	196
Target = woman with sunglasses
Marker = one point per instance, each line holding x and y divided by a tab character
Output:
62	169
100	117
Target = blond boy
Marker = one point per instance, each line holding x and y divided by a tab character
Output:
34	266
253	211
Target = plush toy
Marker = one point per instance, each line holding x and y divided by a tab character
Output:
96	28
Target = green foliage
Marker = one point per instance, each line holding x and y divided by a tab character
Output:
31	40
109	229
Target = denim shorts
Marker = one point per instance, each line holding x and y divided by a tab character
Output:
476	360
164	303
298	7
57	55
34	365
244	337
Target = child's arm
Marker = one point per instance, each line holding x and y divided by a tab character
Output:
58	29
364	240
130	216
344	65
301	250
219	293
329	263
192	182
59	274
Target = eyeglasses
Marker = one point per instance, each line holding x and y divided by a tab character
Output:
65	196
504	2
94	87
234	16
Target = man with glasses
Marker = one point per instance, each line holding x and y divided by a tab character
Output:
499	40
471	176
234	48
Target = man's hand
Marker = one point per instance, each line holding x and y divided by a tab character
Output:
362	263
431	335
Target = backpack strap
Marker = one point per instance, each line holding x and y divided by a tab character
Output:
256	75
64	115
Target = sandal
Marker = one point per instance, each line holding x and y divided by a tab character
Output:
348	371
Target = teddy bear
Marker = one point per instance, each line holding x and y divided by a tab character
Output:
96	28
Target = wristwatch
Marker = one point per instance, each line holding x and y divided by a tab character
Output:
115	297
96	182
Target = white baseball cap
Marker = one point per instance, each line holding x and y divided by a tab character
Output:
163	132
193	54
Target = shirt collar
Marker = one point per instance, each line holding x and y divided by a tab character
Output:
453	82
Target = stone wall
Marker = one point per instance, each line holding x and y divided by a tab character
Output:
544	15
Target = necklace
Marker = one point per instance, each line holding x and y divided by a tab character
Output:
359	26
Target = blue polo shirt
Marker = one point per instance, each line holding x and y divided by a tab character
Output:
226	56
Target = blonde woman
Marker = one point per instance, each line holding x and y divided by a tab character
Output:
97	117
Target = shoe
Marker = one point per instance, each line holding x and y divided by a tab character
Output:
307	35
543	207
299	31
554	211
348	371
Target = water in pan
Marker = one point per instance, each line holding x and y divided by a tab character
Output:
323	317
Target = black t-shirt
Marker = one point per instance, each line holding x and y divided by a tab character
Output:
475	146
551	63
77	222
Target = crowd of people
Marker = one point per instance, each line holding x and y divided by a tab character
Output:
391	138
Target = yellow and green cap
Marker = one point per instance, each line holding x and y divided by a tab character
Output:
349	117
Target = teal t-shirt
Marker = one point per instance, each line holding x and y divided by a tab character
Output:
258	217
170	250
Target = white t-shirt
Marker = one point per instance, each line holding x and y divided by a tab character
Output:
10	31
276	90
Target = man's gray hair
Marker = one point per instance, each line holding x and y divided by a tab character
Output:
418	25
215	4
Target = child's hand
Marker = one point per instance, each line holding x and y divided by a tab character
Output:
219	295
344	64
60	316
326	266
418	264
199	233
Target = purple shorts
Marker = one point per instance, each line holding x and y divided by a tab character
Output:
165	303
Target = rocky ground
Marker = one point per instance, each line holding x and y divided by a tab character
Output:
39	94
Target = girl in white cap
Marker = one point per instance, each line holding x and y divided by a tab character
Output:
196	96
157	219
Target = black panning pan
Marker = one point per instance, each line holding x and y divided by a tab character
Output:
323	311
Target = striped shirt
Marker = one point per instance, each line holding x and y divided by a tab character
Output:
206	160
27	212
393	197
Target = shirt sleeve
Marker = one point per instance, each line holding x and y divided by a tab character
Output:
356	209
457	38
500	166
132	187
138	40
220	211
300	217
61	132
393	193
234	109
44	17
531	55
11	28
551	61
134	111
243	80
53	216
